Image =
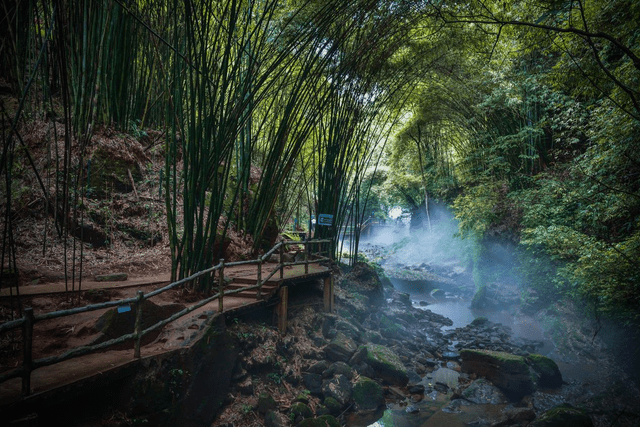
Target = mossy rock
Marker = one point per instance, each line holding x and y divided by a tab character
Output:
388	327
322	410
303	397
341	348
507	371
479	321
321	421
386	364
367	394
563	416
480	297
300	411
333	405
266	403
547	371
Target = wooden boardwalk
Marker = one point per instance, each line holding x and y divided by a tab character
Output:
77	372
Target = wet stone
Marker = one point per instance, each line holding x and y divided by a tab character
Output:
445	376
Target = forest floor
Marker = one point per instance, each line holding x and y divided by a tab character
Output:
125	231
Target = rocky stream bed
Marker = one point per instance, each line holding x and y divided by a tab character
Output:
385	360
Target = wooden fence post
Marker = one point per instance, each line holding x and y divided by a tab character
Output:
328	295
281	261
306	256
221	286
259	281
27	346
138	327
282	309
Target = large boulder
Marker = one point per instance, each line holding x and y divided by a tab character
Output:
508	372
386	364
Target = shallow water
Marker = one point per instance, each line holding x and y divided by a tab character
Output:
455	309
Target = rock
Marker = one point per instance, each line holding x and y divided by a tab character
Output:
332	405
266	403
364	280
322	410
275	419
386	364
515	416
547	371
480	299
338	368
563	416
482	392
445	376
341	348
246	386
303	397
313	383
367	394
321	421
508	372
450	355
349	329
363	368
300	411
339	388
358	356
319	367
417	389
112	277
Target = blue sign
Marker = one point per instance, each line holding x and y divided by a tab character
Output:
325	219
124	308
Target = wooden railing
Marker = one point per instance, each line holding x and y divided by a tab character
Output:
28	321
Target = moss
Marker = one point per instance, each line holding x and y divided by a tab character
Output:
479	297
386	364
388	325
321	421
367	394
508	360
266	403
547	370
333	405
301	410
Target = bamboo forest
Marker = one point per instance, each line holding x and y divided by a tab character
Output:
383	213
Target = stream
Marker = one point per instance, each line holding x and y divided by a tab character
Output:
587	368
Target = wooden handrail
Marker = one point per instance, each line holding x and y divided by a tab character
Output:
27	322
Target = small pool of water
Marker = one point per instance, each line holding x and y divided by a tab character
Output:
453	308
